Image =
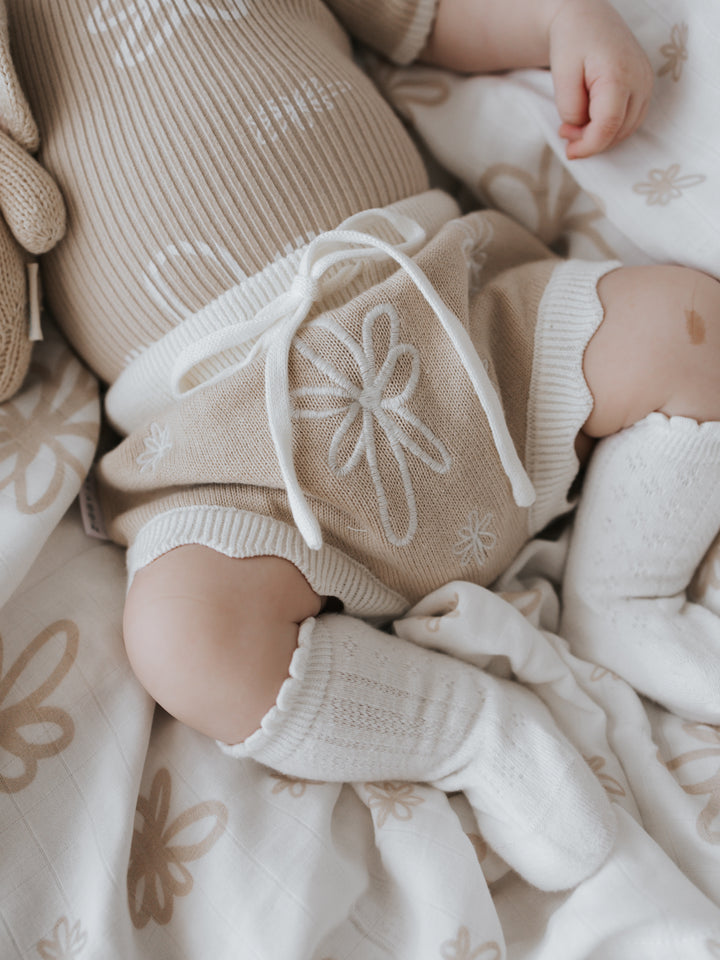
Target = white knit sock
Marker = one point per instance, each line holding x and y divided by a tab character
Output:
648	512
364	705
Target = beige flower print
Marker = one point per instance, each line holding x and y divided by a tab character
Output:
43	428
528	602
30	728
293	785
559	210
598	673
67	943
705	761
392	799
461	948
612	786
449	612
663	186
675	52
157	872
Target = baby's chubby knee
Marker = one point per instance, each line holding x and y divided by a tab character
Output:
657	348
211	637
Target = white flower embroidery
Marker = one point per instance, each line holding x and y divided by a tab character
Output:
157	445
474	248
369	405
475	541
147	25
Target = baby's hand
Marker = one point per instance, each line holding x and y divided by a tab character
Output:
602	78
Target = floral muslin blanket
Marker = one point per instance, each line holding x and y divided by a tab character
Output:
126	836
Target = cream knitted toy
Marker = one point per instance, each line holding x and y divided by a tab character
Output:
33	220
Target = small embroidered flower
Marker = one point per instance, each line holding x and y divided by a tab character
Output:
666	185
294	786
67	942
157	444
675	52
475	540
392	799
377	425
474	249
612	786
462	949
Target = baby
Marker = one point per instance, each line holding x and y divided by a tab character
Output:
337	392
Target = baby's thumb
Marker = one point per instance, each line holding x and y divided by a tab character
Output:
571	96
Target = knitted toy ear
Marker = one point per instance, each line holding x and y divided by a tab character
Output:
30	200
15	114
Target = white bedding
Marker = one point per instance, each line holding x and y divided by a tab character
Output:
126	836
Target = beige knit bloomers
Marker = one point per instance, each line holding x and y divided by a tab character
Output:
390	407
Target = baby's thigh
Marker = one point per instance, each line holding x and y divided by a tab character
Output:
657	348
211	637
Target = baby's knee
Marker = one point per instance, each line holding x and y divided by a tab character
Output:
657	348
212	643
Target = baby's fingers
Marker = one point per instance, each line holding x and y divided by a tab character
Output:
611	117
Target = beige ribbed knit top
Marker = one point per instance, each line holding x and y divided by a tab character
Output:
196	141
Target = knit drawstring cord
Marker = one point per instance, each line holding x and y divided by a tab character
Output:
274	327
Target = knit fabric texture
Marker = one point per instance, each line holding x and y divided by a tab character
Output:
32	221
364	705
195	143
649	512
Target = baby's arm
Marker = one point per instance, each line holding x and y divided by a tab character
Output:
602	78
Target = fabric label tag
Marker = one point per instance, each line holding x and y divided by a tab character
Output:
90	509
34	301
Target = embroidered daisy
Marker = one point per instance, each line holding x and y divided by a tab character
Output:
157	445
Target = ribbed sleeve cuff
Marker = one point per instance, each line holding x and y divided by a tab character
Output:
560	401
417	33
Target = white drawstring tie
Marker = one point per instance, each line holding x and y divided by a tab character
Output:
274	327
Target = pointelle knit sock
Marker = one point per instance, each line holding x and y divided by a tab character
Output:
648	512
363	705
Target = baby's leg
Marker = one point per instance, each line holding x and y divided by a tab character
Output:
211	637
657	349
650	505
214	640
